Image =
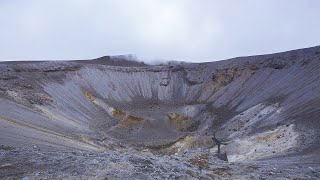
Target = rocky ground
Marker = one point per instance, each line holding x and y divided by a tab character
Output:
130	164
111	118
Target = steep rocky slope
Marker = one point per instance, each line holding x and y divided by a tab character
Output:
264	108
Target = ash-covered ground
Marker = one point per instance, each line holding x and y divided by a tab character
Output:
110	118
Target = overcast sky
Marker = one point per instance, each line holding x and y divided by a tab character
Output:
189	30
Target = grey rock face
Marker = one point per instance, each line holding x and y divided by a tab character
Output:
158	121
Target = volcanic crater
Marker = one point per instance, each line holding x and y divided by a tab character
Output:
110	117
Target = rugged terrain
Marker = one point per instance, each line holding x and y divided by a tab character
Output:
111	118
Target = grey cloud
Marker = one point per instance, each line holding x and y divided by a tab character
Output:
159	29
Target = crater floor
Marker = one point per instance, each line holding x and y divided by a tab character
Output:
117	119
